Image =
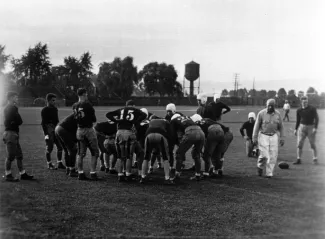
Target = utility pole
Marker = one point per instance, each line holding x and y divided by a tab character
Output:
236	83
254	87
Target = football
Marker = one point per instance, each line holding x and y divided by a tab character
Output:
283	165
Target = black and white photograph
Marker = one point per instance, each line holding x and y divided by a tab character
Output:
162	119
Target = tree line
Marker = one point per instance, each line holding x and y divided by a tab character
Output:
118	78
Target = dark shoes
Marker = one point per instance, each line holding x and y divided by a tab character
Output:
10	178
61	166
25	176
51	166
259	172
298	161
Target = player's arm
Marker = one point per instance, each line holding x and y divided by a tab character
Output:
173	132
281	127
45	120
225	107
57	117
316	119
113	115
298	119
241	130
19	120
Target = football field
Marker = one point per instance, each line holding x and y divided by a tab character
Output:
239	205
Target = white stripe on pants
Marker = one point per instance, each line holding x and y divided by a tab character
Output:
268	146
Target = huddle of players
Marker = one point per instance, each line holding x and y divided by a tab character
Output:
130	131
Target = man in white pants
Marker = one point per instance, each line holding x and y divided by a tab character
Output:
268	132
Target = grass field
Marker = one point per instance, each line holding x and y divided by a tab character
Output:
290	205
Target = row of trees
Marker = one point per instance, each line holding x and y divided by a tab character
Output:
116	79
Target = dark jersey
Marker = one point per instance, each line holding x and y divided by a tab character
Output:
49	116
179	124
12	118
249	129
69	123
307	116
160	126
214	110
106	128
168	117
127	117
84	113
206	123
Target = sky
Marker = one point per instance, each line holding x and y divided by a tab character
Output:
279	43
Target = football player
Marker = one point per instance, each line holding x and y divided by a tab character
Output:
12	121
50	119
65	132
248	126
106	133
158	136
187	134
85	115
126	118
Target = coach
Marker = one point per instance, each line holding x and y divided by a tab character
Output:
306	126
268	128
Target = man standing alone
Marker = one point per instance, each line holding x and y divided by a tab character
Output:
267	130
306	126
286	108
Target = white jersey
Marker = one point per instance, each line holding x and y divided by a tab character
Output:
286	106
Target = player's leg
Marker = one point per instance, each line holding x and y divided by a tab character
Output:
198	139
184	145
59	149
58	130
49	148
121	154
149	145
130	139
94	150
164	149
102	150
82	150
249	147
301	136
10	139
312	141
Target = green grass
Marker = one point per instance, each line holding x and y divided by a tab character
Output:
291	205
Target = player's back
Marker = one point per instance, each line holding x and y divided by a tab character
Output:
84	113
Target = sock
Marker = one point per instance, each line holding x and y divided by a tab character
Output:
205	173
92	172
22	172
167	177
80	171
197	174
59	161
177	174
120	174
49	162
8	172
128	174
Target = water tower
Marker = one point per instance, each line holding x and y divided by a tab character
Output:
192	73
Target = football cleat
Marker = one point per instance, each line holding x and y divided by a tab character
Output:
61	166
10	178
25	176
315	161
259	172
82	176
298	161
169	182
94	177
73	174
51	166
102	168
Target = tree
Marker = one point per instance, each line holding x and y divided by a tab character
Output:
160	78
262	94
291	93
34	66
311	90
3	58
119	76
252	93
242	92
224	92
271	94
282	93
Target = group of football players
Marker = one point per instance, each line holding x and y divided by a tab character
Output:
130	132
126	133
